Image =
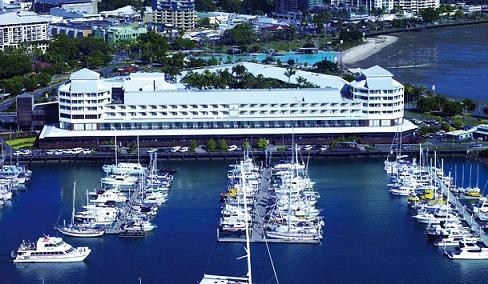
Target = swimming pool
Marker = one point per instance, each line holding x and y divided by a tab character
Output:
299	58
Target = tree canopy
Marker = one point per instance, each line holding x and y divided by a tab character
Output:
238	78
240	34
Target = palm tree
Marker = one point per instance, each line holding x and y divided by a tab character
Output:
239	71
301	80
290	71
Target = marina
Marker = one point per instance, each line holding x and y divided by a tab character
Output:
438	201
359	202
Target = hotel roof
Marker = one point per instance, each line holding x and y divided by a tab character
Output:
269	71
376	71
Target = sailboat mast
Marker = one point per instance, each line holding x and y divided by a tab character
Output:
138	154
462	178
248	246
73	209
115	151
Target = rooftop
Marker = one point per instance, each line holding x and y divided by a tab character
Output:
270	71
376	71
17	18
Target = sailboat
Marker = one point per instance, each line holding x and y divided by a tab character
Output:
74	230
125	168
219	279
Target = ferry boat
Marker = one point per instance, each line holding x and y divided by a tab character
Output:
49	249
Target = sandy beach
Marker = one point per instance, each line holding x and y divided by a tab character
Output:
363	51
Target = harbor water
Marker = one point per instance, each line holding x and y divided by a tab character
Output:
369	236
455	60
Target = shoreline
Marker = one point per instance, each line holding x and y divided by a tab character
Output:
358	53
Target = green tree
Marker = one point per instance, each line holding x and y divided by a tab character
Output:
327	67
14	63
485	110
469	105
290	71
231	6
240	34
193	145
429	15
211	145
222	145
247	146
262	144
239	71
205	5
445	126
153	46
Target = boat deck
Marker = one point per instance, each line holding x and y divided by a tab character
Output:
468	217
257	232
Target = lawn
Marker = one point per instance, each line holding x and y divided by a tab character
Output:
21	143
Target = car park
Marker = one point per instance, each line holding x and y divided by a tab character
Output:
175	149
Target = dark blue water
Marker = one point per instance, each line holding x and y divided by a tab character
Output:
369	236
455	60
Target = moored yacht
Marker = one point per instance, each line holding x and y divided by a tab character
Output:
49	249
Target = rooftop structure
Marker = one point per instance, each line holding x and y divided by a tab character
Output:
145	104
86	6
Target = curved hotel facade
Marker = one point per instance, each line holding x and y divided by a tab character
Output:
145	105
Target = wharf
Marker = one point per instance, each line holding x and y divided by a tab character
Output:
257	230
122	218
469	218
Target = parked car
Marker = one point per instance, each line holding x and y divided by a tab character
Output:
175	149
232	148
183	149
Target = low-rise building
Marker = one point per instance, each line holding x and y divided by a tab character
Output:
459	135
145	105
24	29
114	34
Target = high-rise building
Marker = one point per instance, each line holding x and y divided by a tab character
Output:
24	29
179	14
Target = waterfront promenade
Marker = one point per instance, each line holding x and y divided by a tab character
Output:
101	157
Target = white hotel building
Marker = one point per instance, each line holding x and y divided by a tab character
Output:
145	105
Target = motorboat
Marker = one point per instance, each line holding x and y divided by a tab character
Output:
119	180
107	195
49	249
468	251
124	169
